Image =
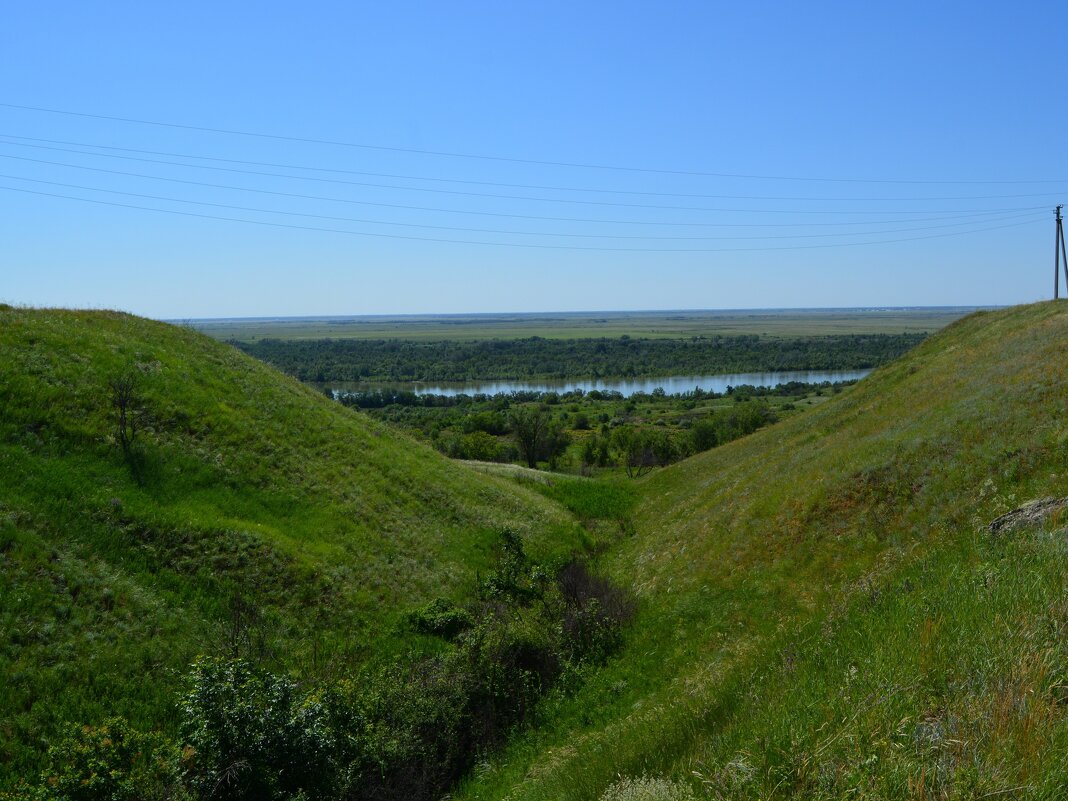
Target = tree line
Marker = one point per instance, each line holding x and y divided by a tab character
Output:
540	358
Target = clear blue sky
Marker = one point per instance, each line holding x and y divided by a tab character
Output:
947	118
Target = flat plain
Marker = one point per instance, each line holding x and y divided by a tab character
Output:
777	323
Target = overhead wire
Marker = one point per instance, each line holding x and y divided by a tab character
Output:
541	246
987	219
1029	214
409	207
515	160
539	187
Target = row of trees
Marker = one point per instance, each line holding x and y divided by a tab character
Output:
535	358
383	397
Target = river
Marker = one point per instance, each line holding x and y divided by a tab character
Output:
672	385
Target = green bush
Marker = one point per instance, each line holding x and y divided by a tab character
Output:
249	734
725	425
440	618
403	732
642	449
593	612
703	436
111	762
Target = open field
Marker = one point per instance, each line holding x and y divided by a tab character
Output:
581	325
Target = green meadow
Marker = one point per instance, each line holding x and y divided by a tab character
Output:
817	610
261	519
823	611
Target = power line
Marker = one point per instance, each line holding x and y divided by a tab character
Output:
504	244
1031	214
511	160
538	187
490	213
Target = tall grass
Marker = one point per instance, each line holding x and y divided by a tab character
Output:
821	615
262	517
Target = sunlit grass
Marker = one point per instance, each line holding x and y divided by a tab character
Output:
248	485
821	614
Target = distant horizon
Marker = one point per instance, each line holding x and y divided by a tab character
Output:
220	165
579	313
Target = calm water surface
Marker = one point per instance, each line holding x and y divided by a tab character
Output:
627	386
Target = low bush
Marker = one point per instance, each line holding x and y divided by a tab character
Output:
250	734
440	618
111	762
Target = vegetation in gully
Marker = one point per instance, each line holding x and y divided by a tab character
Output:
219	583
402	729
588	432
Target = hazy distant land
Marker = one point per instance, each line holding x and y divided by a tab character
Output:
578	325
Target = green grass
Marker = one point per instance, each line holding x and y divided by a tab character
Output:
605	507
268	519
580	325
821	614
590	500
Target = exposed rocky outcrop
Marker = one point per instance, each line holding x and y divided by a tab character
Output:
1032	513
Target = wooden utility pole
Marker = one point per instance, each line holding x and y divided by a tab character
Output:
1058	255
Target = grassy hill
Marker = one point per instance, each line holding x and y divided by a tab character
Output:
250	516
823	609
824	612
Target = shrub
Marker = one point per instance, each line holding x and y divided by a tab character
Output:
479	445
505	663
725	425
642	449
703	436
515	580
248	734
112	762
405	732
594	611
489	422
440	618
596	450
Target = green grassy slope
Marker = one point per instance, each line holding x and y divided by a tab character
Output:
823	613
268	521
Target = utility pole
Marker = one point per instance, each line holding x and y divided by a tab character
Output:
1058	255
